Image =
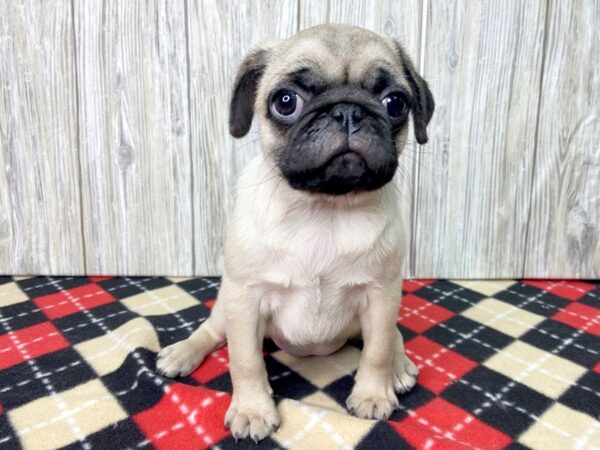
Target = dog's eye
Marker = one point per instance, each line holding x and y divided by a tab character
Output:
286	105
396	106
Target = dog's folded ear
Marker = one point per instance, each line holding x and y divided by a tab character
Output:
241	108
423	104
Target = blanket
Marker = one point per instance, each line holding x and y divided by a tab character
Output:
511	363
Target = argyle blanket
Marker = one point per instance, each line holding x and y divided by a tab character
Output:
502	364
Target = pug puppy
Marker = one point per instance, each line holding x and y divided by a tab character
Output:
315	243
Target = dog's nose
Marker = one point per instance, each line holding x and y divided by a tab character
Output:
349	116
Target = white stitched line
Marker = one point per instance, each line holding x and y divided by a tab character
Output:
58	400
334	435
64	302
508	386
556	308
167	307
463	336
55	333
30	288
73	364
218	355
157	380
24	382
92	402
493	397
593	429
54	305
477	305
136	310
510	308
437	430
161	434
281	375
312	422
536	299
583	291
307	410
530	368
81	325
66	414
511	383
566	343
427	304
210	285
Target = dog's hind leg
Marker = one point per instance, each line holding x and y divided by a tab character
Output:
181	358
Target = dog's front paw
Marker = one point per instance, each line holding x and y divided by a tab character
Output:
372	402
180	359
405	374
252	416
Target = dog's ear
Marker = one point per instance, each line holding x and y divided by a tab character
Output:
241	108
422	104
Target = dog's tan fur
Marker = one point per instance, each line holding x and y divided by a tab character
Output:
307	270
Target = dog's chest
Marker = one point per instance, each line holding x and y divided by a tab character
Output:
307	319
313	292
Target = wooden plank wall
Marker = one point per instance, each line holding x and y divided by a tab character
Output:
40	185
115	156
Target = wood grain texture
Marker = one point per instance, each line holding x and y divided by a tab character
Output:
115	155
482	60
40	226
312	13
220	35
134	136
400	21
564	225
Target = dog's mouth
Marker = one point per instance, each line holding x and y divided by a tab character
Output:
349	163
344	172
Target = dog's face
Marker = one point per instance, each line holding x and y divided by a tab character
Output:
333	104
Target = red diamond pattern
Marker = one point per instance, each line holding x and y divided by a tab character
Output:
438	366
572	289
419	315
73	300
450	427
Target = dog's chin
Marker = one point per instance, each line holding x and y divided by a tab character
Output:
342	174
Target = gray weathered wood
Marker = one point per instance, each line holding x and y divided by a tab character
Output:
40	223
115	155
312	12
134	136
564	225
220	35
482	60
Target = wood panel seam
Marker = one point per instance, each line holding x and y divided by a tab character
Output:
417	154
190	124
78	138
537	136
